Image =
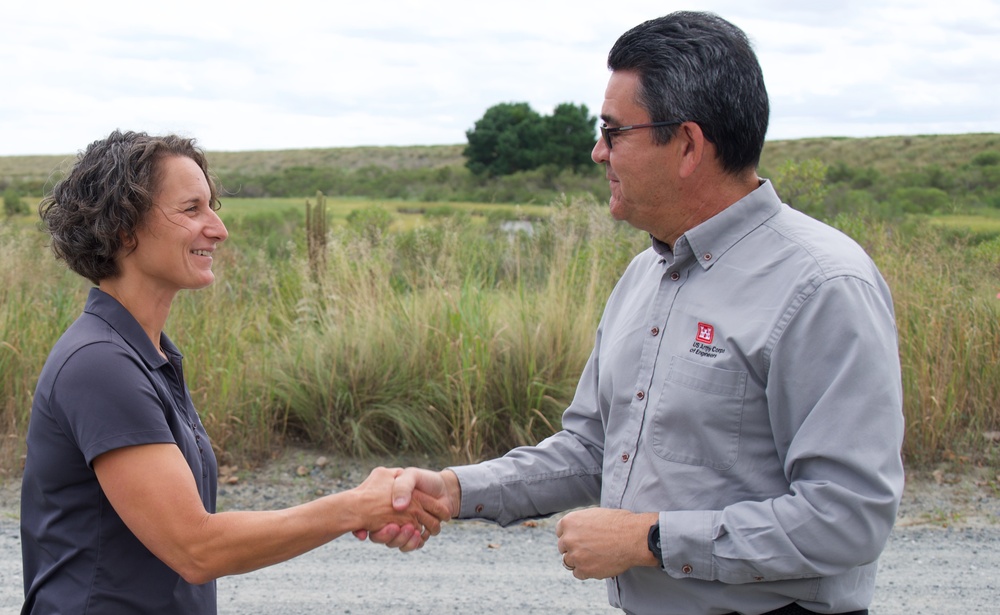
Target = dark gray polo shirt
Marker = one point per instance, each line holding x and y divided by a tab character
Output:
103	387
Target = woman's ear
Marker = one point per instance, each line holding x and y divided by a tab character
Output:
128	242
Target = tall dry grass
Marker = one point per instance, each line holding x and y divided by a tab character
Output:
459	340
448	340
948	317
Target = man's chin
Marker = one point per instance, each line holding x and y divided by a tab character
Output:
616	209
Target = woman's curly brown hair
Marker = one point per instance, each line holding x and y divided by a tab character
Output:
94	211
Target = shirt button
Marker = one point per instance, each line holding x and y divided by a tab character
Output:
640	395
675	276
687	569
654	331
708	256
624	457
479	508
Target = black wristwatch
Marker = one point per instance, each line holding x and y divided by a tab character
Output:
653	540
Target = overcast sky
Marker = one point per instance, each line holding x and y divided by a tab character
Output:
294	74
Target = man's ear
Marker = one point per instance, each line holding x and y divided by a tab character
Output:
692	142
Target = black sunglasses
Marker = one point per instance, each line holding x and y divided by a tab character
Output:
606	132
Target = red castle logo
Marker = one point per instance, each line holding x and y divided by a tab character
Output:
706	333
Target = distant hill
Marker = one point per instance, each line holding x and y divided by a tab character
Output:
885	154
26	168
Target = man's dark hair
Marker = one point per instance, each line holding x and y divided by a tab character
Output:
698	67
96	209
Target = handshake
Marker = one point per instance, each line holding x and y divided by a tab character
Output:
406	507
403	508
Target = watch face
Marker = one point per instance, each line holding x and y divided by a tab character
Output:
653	541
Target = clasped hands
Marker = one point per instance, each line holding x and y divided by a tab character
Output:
419	500
594	543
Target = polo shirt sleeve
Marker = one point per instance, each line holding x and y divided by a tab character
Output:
104	398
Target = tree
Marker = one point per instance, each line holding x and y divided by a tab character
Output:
502	141
569	133
512	137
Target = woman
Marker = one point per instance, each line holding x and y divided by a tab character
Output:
118	495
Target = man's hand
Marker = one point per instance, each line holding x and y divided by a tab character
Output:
598	543
437	492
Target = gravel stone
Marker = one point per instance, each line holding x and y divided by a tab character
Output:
941	559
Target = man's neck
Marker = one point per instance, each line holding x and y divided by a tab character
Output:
711	194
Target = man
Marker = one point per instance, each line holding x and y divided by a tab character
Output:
739	420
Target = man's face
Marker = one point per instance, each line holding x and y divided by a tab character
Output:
638	170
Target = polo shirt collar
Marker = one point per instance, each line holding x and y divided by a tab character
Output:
108	309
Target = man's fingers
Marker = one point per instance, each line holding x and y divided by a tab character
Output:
415	542
434	509
385	535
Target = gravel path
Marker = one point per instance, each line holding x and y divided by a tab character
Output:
943	558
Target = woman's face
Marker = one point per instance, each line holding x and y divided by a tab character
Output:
176	242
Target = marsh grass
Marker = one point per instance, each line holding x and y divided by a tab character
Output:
448	340
38	300
948	317
457	339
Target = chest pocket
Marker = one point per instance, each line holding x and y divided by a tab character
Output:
698	417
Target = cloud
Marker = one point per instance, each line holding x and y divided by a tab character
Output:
292	75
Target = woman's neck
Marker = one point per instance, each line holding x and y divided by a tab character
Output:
149	307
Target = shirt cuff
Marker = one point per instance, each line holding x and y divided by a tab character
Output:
480	495
686	540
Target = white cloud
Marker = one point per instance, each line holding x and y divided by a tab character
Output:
296	74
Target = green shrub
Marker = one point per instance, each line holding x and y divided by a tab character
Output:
986	159
13	204
914	200
802	185
370	222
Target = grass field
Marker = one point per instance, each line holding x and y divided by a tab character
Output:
411	213
976	224
440	338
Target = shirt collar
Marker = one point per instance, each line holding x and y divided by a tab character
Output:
108	309
714	237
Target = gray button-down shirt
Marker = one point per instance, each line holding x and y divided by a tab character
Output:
745	385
